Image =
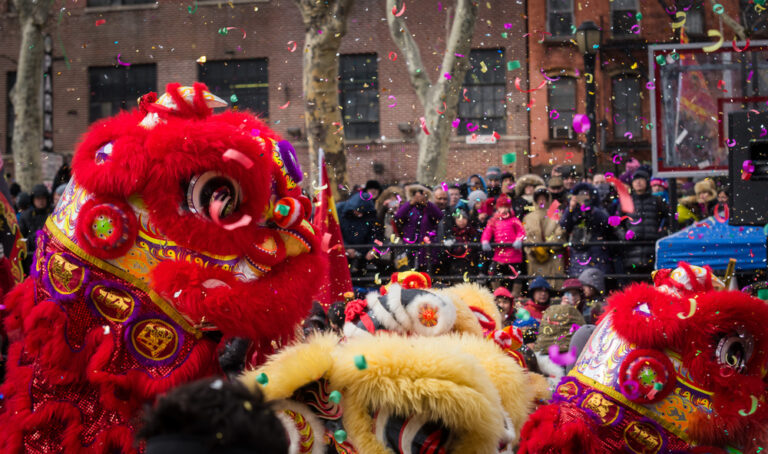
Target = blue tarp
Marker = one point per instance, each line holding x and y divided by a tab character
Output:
712	243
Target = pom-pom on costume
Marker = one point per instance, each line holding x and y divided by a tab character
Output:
419	375
674	368
179	228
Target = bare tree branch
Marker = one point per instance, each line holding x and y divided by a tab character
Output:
404	40
459	43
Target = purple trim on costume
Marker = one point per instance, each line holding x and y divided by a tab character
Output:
576	398
291	164
46	279
114	285
141	357
41	242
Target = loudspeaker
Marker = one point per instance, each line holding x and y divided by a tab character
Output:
749	198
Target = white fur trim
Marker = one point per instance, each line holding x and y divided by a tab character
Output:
318	429
396	308
381	313
351	330
446	314
553	372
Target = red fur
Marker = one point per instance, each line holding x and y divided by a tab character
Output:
662	329
547	431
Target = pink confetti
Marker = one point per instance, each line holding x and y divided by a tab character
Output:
455	123
470	127
234	155
292	46
731	143
284	105
629	235
508	26
584	263
562	359
581	123
447	76
394	104
424	125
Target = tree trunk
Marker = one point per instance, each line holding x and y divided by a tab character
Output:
326	25
27	94
439	99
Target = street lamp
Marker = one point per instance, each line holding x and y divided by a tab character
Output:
588	37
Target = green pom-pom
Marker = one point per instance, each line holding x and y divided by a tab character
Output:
335	397
360	362
658	386
340	436
262	379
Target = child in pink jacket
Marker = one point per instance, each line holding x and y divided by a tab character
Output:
505	227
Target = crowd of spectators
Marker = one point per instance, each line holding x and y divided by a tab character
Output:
498	226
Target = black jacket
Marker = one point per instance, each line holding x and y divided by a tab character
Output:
359	230
653	215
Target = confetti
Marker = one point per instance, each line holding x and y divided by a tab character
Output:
291	46
512	65
746	46
581	123
711	48
731	143
751	410
394	104
628	135
190	10
691	311
100	22
681	17
455	123
392	56
423	122
284	105
447	76
550	79
233	98
629	235
517	85
201	59
121	63
650	86
471	129
483	68
464	95
718	8
562	359
444	109
395	13
584	263
553	114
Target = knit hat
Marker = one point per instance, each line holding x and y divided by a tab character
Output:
503	201
40	191
640	173
555	182
571	284
594	278
493	173
372	184
539	283
502	291
476	197
659	181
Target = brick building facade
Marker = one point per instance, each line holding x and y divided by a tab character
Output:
622	96
253	60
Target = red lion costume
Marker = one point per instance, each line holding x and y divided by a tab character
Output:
676	368
179	228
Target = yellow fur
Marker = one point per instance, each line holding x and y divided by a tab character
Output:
465	295
294	367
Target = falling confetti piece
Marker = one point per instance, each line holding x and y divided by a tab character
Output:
629	235
190	10
455	123
201	59
233	98
470	127
554	114
100	22
395	13
122	63
394	104
483	68
718	8
284	105
746	46
628	135
562	359
447	76
517	85
711	48
691	311
751	410
444	109
392	56
292	46
424	125
581	123
512	65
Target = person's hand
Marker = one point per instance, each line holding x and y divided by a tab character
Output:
573	203
487	246
518	244
370	255
482	217
351	253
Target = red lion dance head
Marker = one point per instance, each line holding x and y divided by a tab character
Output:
180	227
675	368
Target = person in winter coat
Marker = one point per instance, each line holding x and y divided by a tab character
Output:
33	219
541	297
659	188
649	223
557	191
417	221
585	221
505	302
523	202
478	216
476	183
544	260
556	329
493	180
700	206
593	290
359	225
504	227
460	257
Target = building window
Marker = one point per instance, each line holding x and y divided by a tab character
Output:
114	89
694	19
627	107
561	96
247	80
483	103
560	17
117	2
359	95
623	17
10	80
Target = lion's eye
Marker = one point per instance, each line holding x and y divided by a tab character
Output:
734	351
213	195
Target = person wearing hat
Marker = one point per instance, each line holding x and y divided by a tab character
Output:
504	227
585	221
659	188
540	297
700	206
33	219
476	183
593	288
648	222
540	228
572	295
556	329
417	220
504	301
523	202
373	188
461	258
478	215
557	190
493	180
